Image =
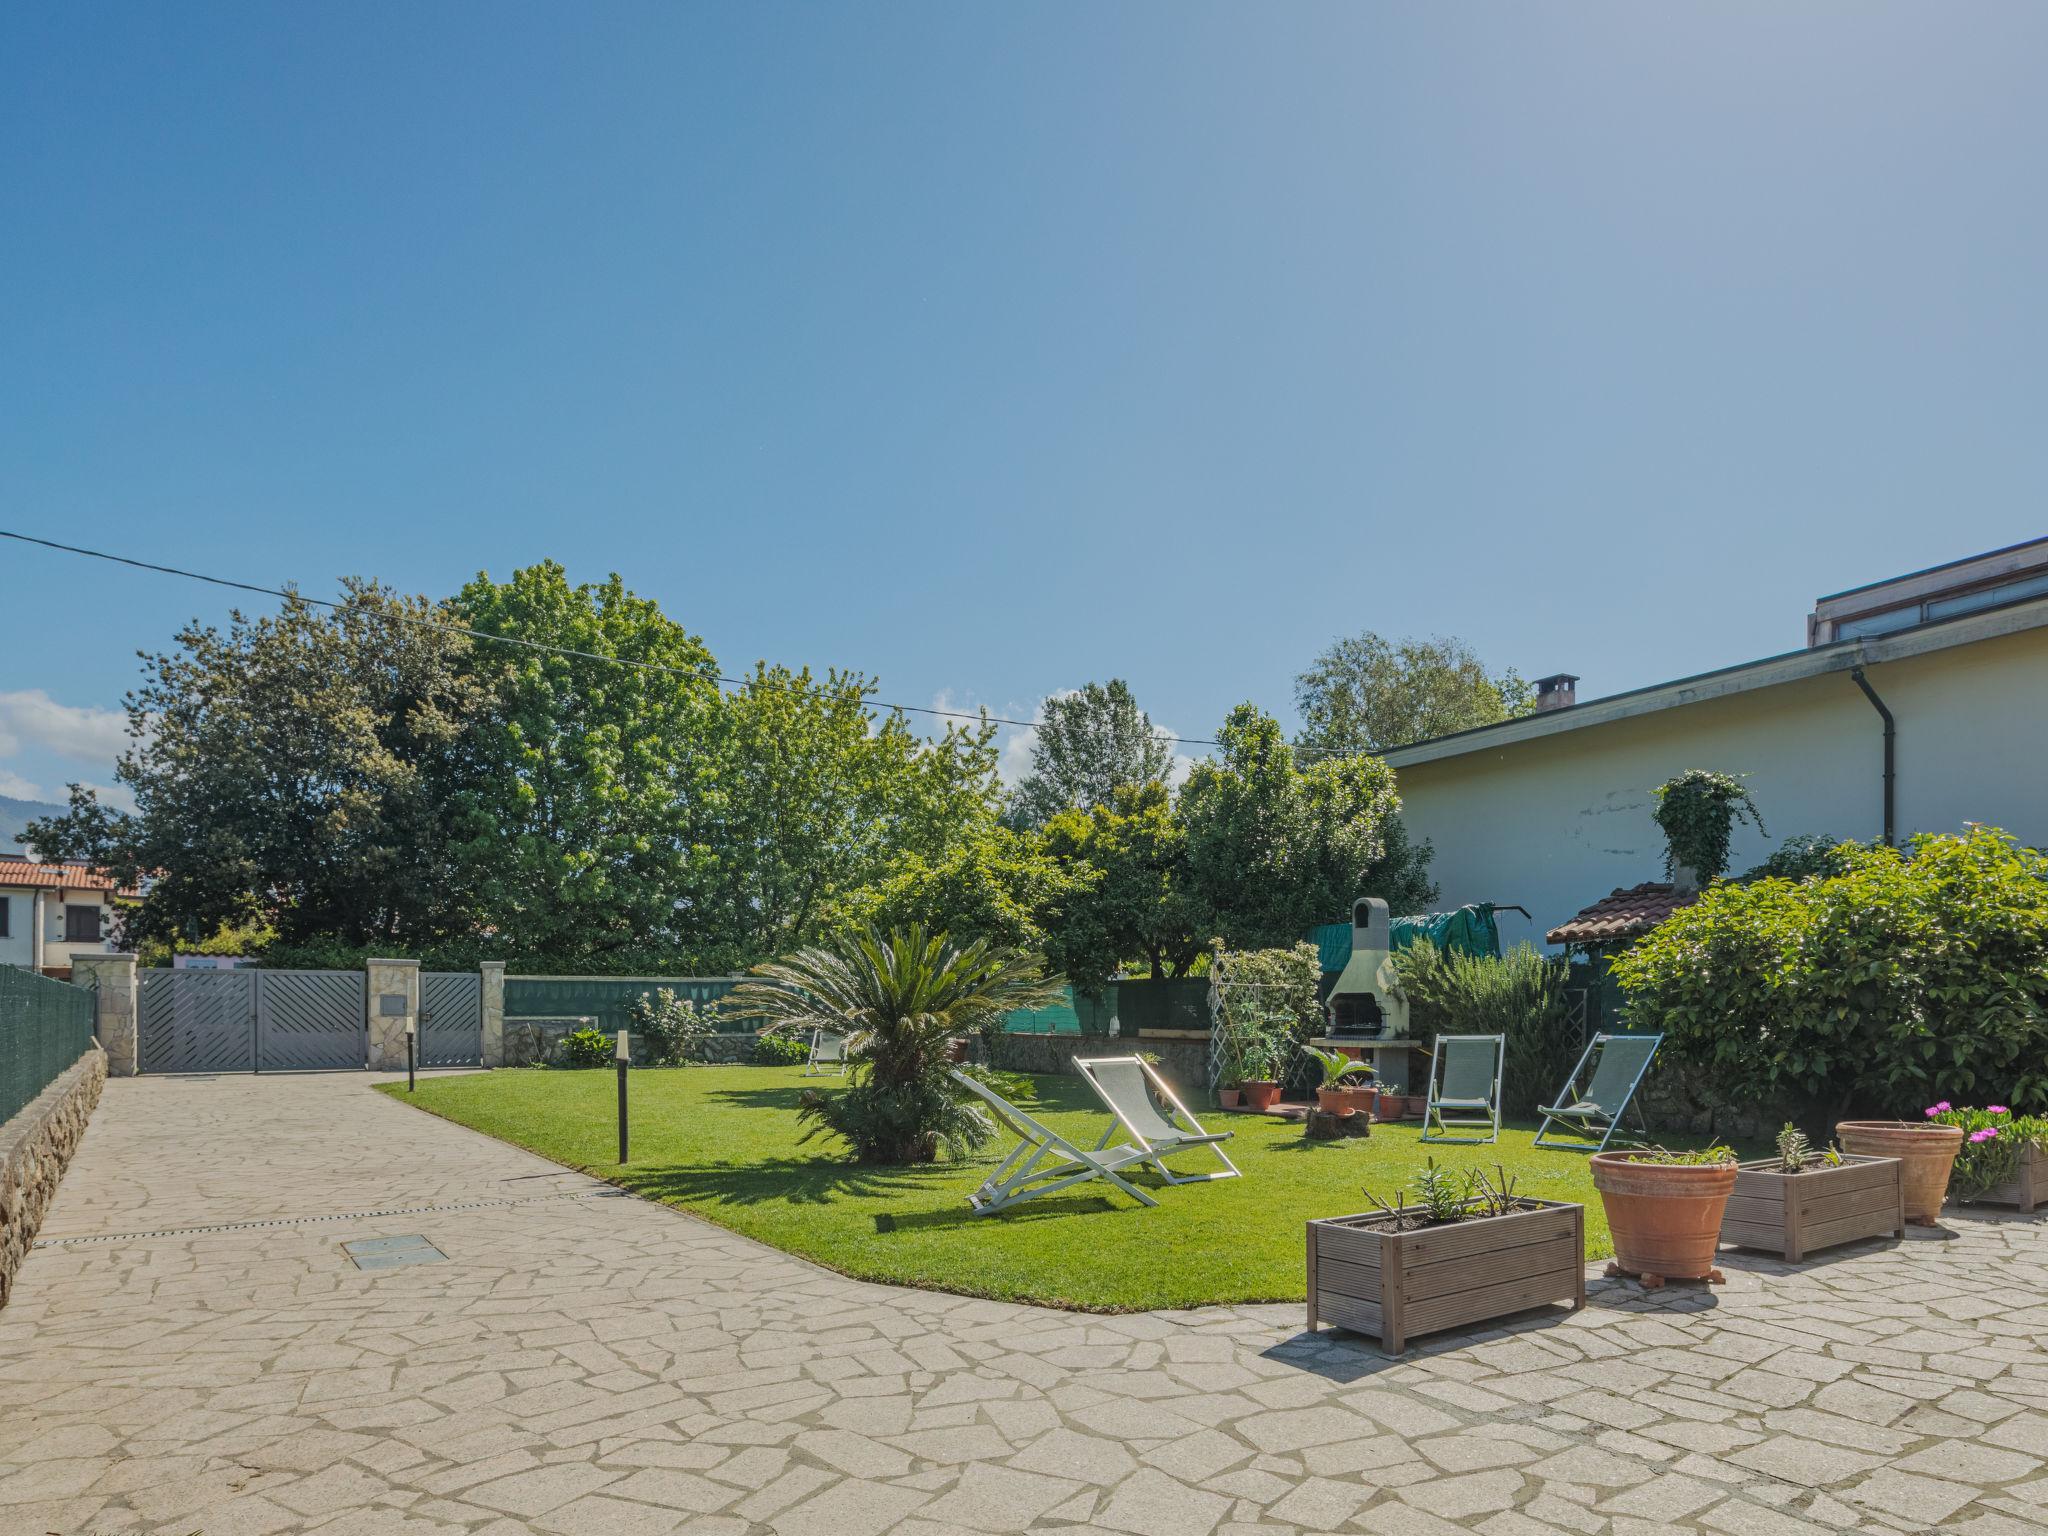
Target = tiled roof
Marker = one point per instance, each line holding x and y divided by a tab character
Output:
1623	914
23	874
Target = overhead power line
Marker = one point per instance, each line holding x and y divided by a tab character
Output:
289	594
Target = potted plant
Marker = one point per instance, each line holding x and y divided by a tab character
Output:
2000	1161
1664	1210
1346	1087
1807	1198
1259	1060
1467	1250
1927	1149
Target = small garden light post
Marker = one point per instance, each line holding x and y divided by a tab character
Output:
625	1054
411	1042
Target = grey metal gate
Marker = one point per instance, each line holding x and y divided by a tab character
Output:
196	1021
311	1021
451	1019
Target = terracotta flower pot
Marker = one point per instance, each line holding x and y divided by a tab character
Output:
1665	1218
1261	1096
1345	1101
1928	1153
1229	1098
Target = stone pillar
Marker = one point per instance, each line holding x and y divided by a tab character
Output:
494	1012
399	979
114	1011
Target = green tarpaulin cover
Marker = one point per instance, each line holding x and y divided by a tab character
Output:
1469	930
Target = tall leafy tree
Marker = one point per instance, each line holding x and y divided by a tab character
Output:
1274	848
1369	694
305	768
1133	899
1090	744
582	836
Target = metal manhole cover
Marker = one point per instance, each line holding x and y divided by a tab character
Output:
392	1252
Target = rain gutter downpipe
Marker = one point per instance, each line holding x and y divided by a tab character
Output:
1891	739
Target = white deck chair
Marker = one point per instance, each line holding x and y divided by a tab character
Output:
1025	1174
1468	1087
1127	1086
828	1055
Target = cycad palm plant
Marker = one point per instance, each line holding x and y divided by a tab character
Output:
902	999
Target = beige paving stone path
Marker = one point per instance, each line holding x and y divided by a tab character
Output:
194	1351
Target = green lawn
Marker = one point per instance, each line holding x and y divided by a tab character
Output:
722	1141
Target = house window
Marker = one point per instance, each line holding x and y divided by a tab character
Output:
6	906
81	925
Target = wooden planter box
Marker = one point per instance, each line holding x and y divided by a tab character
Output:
2027	1188
1395	1284
1795	1213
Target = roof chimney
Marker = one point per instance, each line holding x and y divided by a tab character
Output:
1560	690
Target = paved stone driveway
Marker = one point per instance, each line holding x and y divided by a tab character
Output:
584	1363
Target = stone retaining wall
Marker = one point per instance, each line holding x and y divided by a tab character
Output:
35	1149
1183	1063
529	1041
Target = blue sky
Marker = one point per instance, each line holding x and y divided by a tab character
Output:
994	349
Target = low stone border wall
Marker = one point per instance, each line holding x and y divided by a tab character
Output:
533	1040
35	1149
1183	1063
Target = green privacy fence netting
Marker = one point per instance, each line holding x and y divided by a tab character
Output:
45	1026
1468	930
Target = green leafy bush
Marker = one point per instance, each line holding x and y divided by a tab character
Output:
1906	977
671	1030
1519	995
1267	1002
1697	812
1803	856
780	1051
585	1048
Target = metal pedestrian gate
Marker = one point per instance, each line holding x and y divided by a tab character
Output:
252	1021
451	1019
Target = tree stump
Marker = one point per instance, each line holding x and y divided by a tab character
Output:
1322	1127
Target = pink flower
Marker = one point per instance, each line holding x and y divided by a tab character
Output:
1984	1135
1939	1109
1996	1109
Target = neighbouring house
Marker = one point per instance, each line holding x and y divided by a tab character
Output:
1918	704
51	912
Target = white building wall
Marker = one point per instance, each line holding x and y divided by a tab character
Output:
1556	822
18	948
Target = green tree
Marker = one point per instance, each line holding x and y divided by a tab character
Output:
1132	898
1274	848
1090	744
300	770
902	999
1368	694
581	834
992	883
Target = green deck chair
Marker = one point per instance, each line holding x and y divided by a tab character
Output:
1133	1091
1466	1094
1025	1174
1597	1109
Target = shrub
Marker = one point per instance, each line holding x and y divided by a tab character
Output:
780	1051
1697	812
1266	1005
1903	977
585	1048
902	999
1519	995
1806	855
671	1029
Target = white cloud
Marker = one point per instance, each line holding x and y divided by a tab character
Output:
15	787
30	717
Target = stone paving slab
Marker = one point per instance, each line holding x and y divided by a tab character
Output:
583	1362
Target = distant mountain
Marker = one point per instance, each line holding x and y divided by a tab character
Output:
16	814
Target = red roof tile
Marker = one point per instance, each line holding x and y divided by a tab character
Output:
1623	914
25	874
